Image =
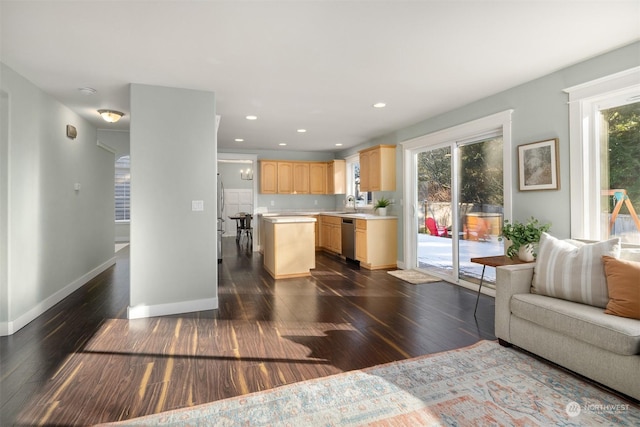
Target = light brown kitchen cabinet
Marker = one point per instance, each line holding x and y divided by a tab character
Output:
285	177
336	177
336	238
378	168
361	240
301	178
331	233
365	170
377	243
325	232
317	178
317	231
297	177
268	177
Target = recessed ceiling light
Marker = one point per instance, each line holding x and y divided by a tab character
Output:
239	140
252	117
302	130
282	144
338	145
379	105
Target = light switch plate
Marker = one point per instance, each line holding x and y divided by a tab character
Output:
197	205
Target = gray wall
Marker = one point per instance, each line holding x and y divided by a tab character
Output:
230	173
173	162
119	141
540	112
116	139
57	238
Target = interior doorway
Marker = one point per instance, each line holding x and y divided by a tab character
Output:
237	172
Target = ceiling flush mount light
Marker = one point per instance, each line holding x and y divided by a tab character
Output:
302	130
110	116
252	117
338	145
239	140
282	144
379	105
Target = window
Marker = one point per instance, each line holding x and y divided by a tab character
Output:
363	198
123	189
605	147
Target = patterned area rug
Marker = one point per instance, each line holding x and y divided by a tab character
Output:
414	277
484	384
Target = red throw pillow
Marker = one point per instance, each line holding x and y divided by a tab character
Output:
623	284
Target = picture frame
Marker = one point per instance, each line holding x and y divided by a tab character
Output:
538	166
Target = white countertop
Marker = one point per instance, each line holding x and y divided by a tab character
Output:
341	214
288	219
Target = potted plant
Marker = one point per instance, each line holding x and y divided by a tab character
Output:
381	206
523	238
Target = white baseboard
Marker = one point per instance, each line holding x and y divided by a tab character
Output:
12	326
143	311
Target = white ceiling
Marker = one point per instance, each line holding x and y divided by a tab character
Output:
317	65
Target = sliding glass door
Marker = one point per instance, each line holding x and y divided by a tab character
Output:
459	199
480	204
435	220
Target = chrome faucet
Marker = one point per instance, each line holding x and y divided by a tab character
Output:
352	199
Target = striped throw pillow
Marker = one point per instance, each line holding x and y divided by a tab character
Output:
573	270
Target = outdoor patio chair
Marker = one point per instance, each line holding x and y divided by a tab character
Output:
435	229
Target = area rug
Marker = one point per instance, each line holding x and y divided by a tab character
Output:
414	277
484	384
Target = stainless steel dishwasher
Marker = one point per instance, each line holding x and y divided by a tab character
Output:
348	238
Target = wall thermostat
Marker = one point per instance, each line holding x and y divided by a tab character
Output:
72	132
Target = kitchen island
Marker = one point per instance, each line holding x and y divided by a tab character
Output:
289	246
375	236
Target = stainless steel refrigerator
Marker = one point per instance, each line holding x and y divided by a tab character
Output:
220	203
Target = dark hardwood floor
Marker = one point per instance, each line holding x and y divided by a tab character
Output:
83	362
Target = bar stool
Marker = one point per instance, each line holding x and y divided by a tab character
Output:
247	229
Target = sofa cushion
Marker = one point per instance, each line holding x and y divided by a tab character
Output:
572	270
584	322
630	254
623	283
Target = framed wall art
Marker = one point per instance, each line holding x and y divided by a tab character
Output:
538	165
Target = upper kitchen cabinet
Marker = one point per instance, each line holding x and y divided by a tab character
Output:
296	177
318	178
268	177
337	177
378	168
301	178
285	177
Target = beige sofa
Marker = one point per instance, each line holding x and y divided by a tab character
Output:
579	337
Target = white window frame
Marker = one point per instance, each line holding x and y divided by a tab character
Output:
585	102
351	185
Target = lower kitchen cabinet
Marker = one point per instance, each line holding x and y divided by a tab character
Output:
331	233
377	243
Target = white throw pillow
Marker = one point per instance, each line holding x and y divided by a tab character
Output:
572	270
